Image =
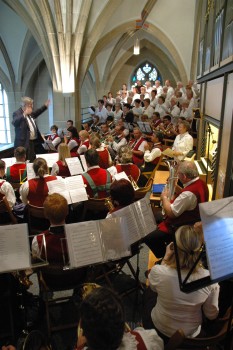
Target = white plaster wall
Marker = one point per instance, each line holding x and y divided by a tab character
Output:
9	21
97	7
103	57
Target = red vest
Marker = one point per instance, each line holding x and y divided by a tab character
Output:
200	189
85	143
156	160
16	172
102	181
73	151
63	169
103	159
38	190
54	245
138	160
130	170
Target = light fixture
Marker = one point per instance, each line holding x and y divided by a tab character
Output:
136	49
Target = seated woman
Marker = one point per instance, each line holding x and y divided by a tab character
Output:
102	325
105	159
125	164
121	194
175	309
72	140
183	142
85	142
56	211
60	167
36	190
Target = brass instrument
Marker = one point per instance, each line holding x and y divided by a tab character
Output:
109	204
172	166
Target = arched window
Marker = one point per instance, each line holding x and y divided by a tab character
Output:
144	72
5	136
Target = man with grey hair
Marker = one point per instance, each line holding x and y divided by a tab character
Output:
182	210
26	131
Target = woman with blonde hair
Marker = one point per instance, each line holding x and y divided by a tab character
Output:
175	309
85	141
36	190
104	156
60	167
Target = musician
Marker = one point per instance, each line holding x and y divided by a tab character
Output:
151	157
36	190
95	126
105	132
105	159
56	140
122	194
167	128
86	126
96	179
6	190
118	141
182	210
137	144
85	142
102	322
110	122
155	121
183	142
18	171
125	164
56	211
60	167
72	140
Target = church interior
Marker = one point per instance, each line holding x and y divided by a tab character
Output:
96	64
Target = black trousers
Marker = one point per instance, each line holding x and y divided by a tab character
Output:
157	242
35	147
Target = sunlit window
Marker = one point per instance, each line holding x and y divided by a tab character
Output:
145	72
5	136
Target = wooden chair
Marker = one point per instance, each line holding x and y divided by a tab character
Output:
142	191
94	209
220	331
5	208
148	174
36	219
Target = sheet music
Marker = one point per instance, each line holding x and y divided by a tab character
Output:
48	145
59	186
9	161
145	217
83	161
72	188
168	152
113	235
30	172
74	166
121	175
132	232
14	248
50	158
84	243
217	221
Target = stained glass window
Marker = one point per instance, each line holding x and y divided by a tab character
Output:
144	72
5	136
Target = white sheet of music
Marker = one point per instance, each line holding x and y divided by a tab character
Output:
59	186
50	158
30	172
132	232
145	216
9	161
14	248
74	166
76	187
84	163
121	175
217	221
114	238
84	243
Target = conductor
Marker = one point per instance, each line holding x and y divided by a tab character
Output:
27	133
